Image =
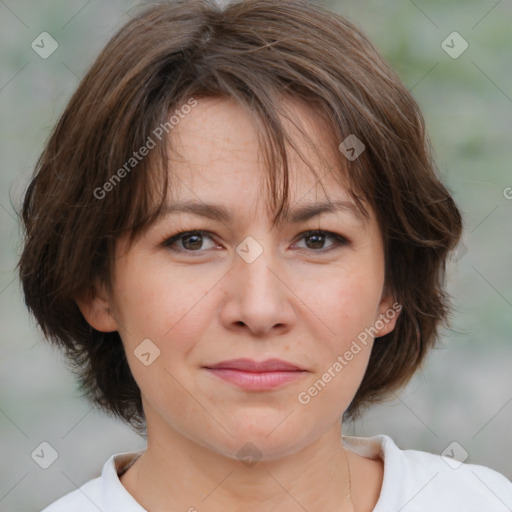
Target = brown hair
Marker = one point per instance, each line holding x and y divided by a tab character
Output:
255	51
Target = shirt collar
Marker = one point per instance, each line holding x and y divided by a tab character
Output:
382	447
118	499
115	495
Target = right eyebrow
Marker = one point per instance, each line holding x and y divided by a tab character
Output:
208	210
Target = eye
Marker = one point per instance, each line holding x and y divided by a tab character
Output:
315	240
191	241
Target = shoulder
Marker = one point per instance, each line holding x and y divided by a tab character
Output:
85	499
416	481
445	483
103	493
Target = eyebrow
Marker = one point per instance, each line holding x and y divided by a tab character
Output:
295	215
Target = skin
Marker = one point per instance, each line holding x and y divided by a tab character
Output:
295	302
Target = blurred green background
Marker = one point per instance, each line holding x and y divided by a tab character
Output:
464	392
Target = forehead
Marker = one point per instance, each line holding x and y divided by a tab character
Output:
216	156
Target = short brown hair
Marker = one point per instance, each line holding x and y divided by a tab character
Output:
254	51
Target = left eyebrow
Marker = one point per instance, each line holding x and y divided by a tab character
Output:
296	215
308	211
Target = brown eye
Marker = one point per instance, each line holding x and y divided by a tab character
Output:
188	241
315	240
192	242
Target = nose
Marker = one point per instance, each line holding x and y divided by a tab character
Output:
259	298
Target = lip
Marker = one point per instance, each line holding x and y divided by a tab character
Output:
249	365
256	375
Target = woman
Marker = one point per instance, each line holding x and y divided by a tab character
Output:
237	234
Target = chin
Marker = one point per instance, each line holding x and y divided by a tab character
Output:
262	441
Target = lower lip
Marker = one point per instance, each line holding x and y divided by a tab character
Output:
256	381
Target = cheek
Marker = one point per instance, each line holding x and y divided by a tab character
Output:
156	303
173	309
166	308
346	301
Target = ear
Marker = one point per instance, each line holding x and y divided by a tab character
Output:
97	311
389	310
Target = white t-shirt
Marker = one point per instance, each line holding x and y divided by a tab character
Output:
414	481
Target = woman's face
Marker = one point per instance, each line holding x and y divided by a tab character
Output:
241	290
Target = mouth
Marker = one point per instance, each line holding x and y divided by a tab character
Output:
256	376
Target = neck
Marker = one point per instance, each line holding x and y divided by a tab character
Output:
176	474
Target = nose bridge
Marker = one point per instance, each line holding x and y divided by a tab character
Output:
258	297
255	267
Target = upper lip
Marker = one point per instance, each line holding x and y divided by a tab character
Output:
249	365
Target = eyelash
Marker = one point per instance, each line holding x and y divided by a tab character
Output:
339	240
